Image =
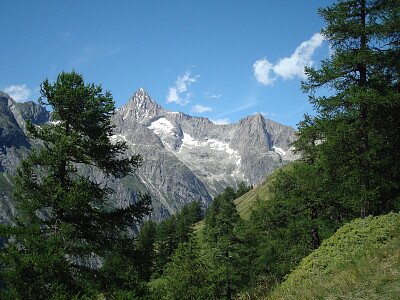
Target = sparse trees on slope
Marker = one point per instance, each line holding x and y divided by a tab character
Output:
66	219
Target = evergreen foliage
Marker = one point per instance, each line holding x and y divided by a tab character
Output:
299	214
355	135
156	243
187	267
222	246
66	221
187	275
145	248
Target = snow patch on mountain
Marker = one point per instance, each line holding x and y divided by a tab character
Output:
188	141
221	146
162	127
212	144
280	151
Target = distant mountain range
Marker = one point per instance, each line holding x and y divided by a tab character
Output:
185	158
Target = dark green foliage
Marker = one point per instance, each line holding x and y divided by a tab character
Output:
157	243
66	219
166	242
355	135
223	249
186	218
121	278
301	212
221	217
145	248
187	275
215	269
242	189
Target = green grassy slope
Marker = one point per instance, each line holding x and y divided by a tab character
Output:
246	203
360	261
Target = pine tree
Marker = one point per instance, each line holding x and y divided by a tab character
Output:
146	249
189	215
186	276
242	189
174	230
222	246
355	134
300	212
66	219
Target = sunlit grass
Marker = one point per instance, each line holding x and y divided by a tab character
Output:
356	263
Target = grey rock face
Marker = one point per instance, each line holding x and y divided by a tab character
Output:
203	158
185	158
14	144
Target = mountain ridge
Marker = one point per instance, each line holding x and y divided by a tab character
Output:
185	158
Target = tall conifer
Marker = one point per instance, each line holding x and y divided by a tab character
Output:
355	133
66	220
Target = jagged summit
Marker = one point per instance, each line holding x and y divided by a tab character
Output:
139	107
2	94
141	100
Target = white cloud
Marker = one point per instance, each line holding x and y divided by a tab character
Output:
263	70
173	95
221	121
288	67
213	96
179	93
200	109
18	92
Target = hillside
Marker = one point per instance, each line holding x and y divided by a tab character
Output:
360	261
246	203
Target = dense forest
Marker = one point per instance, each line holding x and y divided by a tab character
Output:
68	242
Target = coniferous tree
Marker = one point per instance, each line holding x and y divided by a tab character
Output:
186	276
222	245
242	189
174	230
355	134
297	216
66	220
145	246
186	218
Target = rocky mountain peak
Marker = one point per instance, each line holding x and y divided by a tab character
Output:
141	100
3	95
140	107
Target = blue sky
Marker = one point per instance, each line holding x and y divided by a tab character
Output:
222	60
